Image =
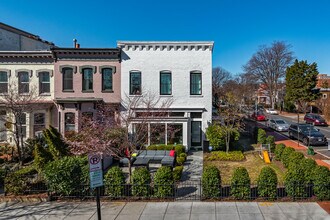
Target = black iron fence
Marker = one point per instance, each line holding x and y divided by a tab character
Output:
193	190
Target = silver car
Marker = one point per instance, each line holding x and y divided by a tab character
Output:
278	124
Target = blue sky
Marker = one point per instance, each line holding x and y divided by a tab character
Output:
237	27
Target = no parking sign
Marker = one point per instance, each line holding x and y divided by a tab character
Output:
95	170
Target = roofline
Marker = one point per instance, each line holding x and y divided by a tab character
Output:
25	33
82	49
168	45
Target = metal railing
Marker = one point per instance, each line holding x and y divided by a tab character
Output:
192	190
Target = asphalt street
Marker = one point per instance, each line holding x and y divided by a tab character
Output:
293	119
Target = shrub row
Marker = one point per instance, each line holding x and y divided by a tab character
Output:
262	138
222	155
178	148
240	183
141	182
303	172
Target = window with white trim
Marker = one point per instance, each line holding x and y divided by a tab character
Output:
23	82
44	82
3	82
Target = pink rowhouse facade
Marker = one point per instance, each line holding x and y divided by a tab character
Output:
84	78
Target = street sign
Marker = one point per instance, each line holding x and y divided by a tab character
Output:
95	170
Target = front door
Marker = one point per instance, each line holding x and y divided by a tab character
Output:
196	133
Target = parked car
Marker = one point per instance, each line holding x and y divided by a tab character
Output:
315	119
259	116
271	111
308	134
278	124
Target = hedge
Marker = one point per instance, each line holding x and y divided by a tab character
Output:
321	179
211	182
285	156
20	181
294	181
271	141
178	148
180	160
308	164
56	145
177	173
41	157
278	151
68	176
222	155
114	181
295	157
261	136
240	183
163	182
141	182
267	183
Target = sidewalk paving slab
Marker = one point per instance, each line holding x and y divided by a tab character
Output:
179	208
274	216
231	216
269	208
202	216
203	208
158	207
177	216
251	216
292	207
226	208
248	208
133	208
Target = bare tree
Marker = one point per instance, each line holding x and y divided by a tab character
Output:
120	131
220	77
268	66
15	108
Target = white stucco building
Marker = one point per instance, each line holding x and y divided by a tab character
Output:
181	71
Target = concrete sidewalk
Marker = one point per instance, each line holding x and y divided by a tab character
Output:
165	210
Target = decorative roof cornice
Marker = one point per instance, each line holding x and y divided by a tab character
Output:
86	53
26	54
166	45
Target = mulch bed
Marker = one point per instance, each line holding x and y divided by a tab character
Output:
325	205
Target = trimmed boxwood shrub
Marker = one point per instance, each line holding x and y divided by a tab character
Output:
179	149
18	182
177	172
164	182
267	183
285	156
308	164
321	179
180	160
296	157
68	176
211	182
114	181
261	136
294	181
240	183
271	141
222	155
141	182
183	155
278	151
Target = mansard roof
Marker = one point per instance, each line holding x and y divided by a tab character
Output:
166	45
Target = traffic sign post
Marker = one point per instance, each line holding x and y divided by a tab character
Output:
96	178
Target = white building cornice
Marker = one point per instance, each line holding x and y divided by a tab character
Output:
165	45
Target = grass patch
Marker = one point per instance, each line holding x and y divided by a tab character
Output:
253	163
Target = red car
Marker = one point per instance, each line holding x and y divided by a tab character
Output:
259	117
315	119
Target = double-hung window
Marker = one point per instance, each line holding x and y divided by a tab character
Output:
44	82
107	80
3	128
165	83
135	83
3	82
195	83
67	79
23	82
87	79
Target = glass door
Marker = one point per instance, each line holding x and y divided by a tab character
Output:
196	133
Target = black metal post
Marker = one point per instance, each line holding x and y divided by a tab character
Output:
98	205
